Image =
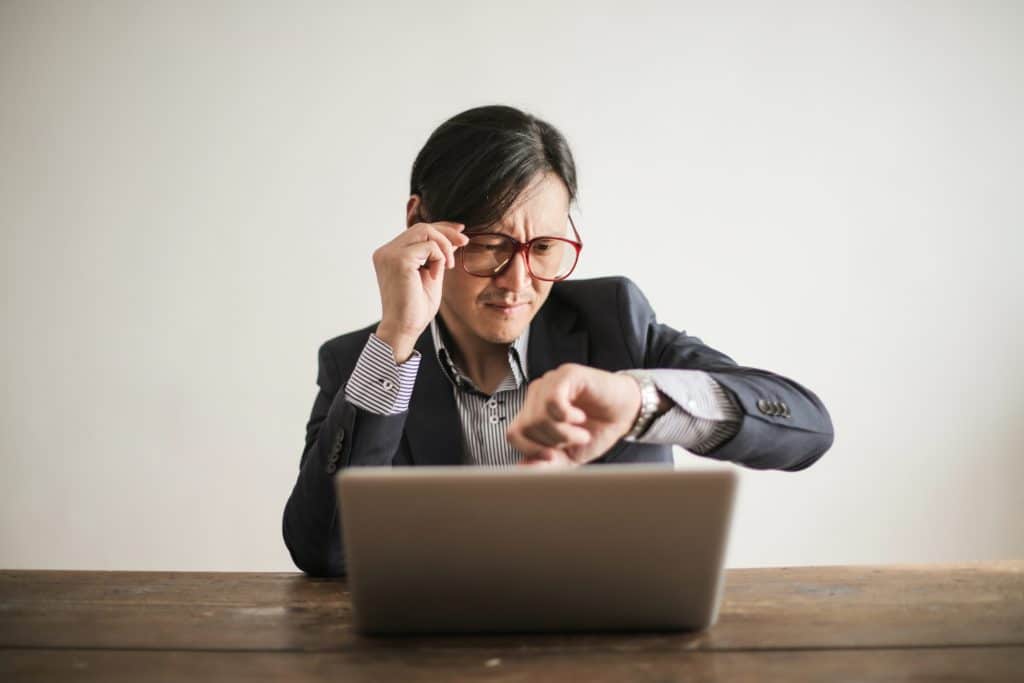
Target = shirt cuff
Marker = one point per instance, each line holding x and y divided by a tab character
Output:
704	415
378	384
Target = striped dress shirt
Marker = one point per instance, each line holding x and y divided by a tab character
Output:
703	416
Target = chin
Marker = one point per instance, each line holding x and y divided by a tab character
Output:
503	334
503	337
498	329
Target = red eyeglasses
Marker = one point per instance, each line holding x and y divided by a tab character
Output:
489	254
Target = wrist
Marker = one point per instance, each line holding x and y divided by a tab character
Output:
402	344
632	390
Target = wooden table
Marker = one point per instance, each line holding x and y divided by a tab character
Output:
957	622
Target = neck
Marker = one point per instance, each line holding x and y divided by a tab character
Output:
484	362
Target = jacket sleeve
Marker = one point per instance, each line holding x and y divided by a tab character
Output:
783	425
338	435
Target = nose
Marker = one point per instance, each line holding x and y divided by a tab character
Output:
516	276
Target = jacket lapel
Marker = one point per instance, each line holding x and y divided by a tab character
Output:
433	429
553	341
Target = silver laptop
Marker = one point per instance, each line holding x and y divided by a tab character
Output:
476	549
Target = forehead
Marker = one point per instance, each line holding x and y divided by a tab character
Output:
541	209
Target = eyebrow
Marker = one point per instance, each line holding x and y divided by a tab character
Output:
496	227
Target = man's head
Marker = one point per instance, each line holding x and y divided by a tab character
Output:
495	169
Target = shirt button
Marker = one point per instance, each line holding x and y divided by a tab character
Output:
387	384
493	419
493	403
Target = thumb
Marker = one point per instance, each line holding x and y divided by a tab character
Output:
562	407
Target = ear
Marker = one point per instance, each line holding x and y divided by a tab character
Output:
412	210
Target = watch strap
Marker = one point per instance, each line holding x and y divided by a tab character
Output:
649	401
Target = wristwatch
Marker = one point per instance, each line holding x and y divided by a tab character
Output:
649	401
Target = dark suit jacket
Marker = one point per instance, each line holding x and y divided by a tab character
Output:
605	323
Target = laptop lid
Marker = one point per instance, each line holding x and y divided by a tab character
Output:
605	547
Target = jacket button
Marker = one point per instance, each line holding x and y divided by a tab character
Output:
785	410
333	457
764	406
331	468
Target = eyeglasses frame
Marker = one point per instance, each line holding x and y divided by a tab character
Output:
524	249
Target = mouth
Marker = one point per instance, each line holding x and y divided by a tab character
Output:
509	309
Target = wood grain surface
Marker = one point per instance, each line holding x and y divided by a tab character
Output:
962	622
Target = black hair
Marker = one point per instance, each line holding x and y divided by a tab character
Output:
474	165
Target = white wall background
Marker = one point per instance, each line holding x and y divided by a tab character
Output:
189	195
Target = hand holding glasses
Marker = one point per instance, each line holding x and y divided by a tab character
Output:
410	270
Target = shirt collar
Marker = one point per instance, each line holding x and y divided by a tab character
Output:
516	357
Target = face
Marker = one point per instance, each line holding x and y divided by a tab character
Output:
480	312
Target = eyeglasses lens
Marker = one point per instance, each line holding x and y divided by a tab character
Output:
486	255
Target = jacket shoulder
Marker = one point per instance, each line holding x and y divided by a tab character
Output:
605	298
615	311
600	294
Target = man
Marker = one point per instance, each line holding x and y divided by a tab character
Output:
486	355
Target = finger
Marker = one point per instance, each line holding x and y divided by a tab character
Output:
445	243
456	239
447	224
454	225
560	407
549	457
426	255
453	231
559	403
529	432
517	438
424	246
421	232
434	267
535	458
560	434
426	234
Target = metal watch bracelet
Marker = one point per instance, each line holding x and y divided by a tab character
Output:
648	403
